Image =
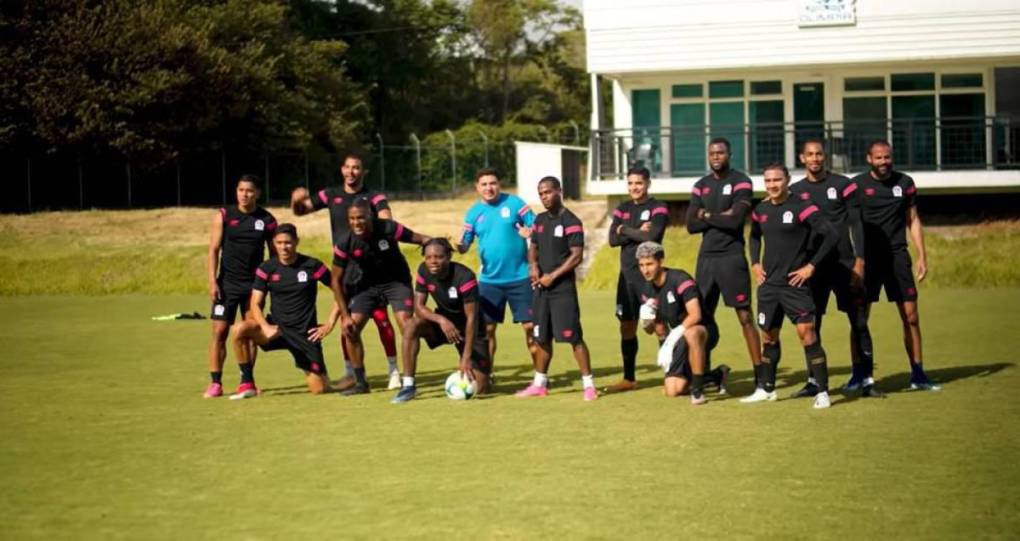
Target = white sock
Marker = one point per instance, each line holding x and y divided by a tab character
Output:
348	369
393	364
541	380
407	381
588	381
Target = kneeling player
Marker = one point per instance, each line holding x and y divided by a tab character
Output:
671	296
454	321
787	225
290	282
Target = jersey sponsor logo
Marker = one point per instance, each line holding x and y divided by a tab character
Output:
357	252
805	196
788	217
338	200
219	309
452	292
504	212
897	191
275	278
761	318
235	221
831	193
260	225
431	287
869	191
670	297
645	215
558	232
384	245
302	276
727	189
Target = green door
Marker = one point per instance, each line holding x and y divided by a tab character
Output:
963	130
687	130
727	120
914	131
647	121
808	113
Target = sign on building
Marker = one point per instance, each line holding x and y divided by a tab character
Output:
827	12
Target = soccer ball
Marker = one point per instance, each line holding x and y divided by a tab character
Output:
458	387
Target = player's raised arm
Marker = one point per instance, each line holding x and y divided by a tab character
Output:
301	202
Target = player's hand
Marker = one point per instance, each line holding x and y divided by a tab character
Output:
759	273
857	275
271	331
701	214
533	275
524	232
320	332
546	281
922	269
347	326
647	226
450	331
465	369
214	292
800	276
299	194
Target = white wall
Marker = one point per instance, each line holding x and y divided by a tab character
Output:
534	161
677	35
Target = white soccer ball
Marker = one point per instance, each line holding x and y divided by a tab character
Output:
459	387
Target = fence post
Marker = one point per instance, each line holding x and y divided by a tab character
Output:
128	169
417	149
382	161
485	141
223	173
28	175
178	167
307	185
269	193
453	160
81	185
577	133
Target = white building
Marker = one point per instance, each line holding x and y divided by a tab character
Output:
940	79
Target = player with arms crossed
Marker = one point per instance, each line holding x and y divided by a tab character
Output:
557	247
501	222
456	319
842	271
672	297
889	212
720	201
290	281
237	242
338	200
370	248
787	224
643	218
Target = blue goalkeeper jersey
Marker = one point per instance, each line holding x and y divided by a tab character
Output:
504	253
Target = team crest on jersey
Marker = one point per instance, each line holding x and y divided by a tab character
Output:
897	191
219	309
302	276
504	212
727	189
761	318
452	293
670	297
831	193
558	232
645	214
788	217
259	225
384	245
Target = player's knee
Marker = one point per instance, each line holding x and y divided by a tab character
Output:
239	330
744	317
696	334
219	332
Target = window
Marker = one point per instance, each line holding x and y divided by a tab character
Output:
726	89
688	91
905	82
766	87
962	80
861	84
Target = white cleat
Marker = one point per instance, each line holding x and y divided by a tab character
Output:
822	400
759	395
394	381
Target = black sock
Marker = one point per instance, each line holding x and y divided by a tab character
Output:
629	349
770	355
697	384
359	375
815	356
768	376
247	375
715	376
216	377
859	326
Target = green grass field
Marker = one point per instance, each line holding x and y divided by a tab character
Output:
105	435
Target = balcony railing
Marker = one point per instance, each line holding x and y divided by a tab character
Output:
946	143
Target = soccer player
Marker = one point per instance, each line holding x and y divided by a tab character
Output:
842	271
641	219
456	319
671	296
290	282
237	242
720	201
889	212
370	249
338	200
557	246
502	223
787	224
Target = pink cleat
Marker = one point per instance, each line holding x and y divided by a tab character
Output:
245	390
213	390
532	390
590	394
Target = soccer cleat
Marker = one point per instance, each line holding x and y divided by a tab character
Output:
808	390
532	390
343	383
245	390
854	383
697	400
925	385
589	394
621	386
870	391
724	376
213	390
405	394
394	381
822	400
759	395
357	388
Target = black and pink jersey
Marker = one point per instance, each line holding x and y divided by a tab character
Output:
717	195
836	196
376	256
553	236
292	289
339	201
671	299
245	236
450	292
884	207
632	216
787	229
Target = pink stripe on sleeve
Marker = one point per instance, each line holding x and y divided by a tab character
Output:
807	212
618	213
223	213
400	231
271	226
660	210
570	230
850	188
755	217
911	190
420	279
696	191
742	186
469	227
261	274
523	211
323	198
339	253
318	273
467	286
684	286
378	198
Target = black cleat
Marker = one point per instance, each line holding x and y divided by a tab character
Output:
358	388
807	391
724	376
870	391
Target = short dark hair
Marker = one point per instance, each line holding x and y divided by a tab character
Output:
486	171
779	166
355	155
442	242
642	172
362	204
254	180
812	141
551	180
721	141
878	142
286	228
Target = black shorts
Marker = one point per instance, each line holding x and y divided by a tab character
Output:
727	275
833	276
893	271
232	299
370	298
480	361
776	300
628	297
681	366
307	354
557	314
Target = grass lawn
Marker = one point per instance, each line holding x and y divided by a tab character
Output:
105	435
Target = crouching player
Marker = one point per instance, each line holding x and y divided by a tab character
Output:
671	296
455	320
787	224
290	282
